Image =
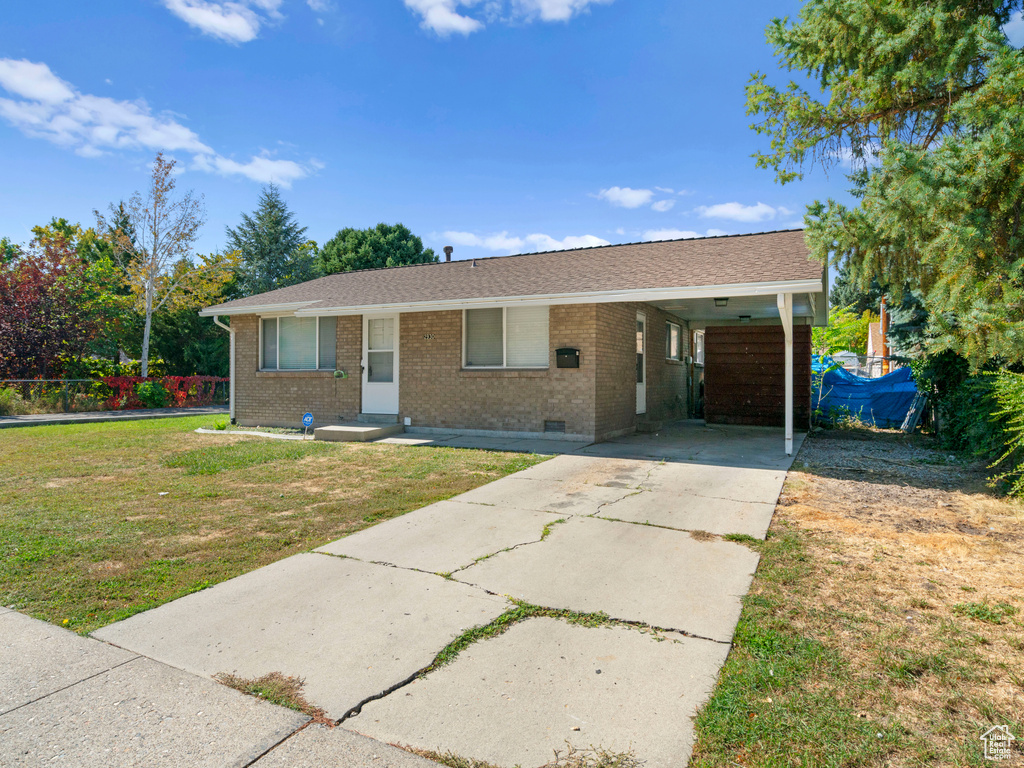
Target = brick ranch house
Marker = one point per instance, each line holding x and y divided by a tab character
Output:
589	343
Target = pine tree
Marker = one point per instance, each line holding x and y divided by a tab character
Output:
273	248
924	99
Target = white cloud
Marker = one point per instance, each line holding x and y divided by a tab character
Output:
679	234
738	212
547	243
442	16
496	242
663	205
319	6
670	234
234	21
447	16
554	10
624	197
502	241
1014	30
261	168
51	109
33	81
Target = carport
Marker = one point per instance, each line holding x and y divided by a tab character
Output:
757	350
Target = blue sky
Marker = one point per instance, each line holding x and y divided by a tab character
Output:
497	126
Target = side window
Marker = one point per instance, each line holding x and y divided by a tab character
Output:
673	341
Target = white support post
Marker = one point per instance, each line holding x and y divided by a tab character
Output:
231	370
785	301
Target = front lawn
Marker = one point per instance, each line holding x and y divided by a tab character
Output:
884	626
101	521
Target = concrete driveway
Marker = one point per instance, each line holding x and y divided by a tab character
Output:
630	532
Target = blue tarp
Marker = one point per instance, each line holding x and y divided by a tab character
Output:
883	402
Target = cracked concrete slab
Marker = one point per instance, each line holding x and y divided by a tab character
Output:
633	572
320	747
693	513
443	537
37	658
143	713
591	470
724	445
574	498
735	483
514	699
350	629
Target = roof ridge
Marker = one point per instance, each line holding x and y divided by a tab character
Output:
572	250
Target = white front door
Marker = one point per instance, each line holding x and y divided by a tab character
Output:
641	362
380	364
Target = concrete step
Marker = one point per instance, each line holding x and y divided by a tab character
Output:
377	418
649	426
356	432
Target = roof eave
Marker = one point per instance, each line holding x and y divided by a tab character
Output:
254	309
590	297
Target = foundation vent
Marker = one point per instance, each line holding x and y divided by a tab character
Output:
554	426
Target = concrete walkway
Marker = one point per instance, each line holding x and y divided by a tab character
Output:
631	529
94	417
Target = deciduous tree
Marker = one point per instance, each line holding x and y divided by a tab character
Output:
386	245
155	249
43	316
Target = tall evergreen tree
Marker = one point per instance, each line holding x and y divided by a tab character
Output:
386	245
273	248
846	292
924	98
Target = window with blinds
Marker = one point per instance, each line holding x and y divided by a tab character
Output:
510	337
299	343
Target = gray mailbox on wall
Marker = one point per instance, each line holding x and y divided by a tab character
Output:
567	357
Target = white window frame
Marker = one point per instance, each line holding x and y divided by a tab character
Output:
504	346
698	359
669	325
277	327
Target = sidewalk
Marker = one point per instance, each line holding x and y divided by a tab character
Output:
94	417
74	701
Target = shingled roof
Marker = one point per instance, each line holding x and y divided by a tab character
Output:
771	257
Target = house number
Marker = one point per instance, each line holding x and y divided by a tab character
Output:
428	337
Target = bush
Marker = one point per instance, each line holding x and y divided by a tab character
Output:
152	394
11	403
984	417
1008	393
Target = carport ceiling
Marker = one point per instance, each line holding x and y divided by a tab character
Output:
757	307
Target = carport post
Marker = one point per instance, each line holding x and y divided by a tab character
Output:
785	301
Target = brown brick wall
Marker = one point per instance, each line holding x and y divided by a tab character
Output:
744	375
435	391
595	400
278	399
616	370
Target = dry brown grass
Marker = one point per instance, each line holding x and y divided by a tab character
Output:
908	553
279	689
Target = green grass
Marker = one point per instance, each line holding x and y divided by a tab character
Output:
785	698
101	521
990	613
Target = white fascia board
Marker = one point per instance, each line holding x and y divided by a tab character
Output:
285	308
593	297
